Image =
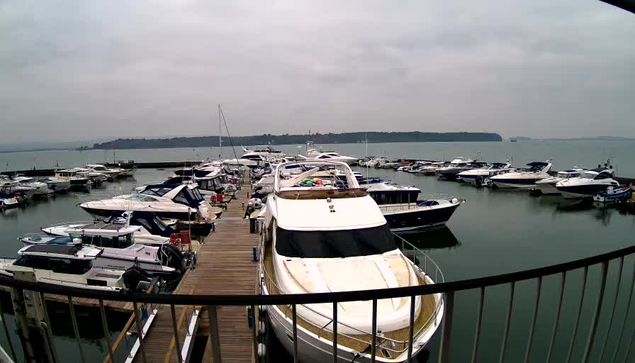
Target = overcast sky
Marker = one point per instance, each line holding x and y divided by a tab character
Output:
91	69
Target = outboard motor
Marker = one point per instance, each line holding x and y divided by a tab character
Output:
171	256
134	276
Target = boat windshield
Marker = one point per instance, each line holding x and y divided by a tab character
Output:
142	198
334	244
58	265
108	241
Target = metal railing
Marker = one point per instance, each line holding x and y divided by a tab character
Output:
621	344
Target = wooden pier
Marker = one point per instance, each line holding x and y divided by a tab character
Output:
225	266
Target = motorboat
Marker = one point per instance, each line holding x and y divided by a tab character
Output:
29	187
58	185
153	231
416	167
456	166
404	211
328	235
432	168
120	252
183	202
613	194
481	175
77	180
587	184
525	178
96	178
312	154
8	201
547	186
65	265
111	173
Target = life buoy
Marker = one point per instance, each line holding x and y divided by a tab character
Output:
175	238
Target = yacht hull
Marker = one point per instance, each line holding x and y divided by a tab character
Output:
547	189
402	218
161	214
514	183
581	191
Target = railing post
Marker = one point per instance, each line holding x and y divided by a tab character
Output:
175	330
596	314
295	332
507	322
628	307
214	335
335	331
76	328
577	321
444	350
617	295
557	322
477	333
47	328
139	331
104	325
411	327
533	320
373	347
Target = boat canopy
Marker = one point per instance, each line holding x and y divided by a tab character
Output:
335	244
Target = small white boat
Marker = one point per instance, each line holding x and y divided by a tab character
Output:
613	194
7	201
120	252
483	174
312	154
111	173
65	265
75	178
58	185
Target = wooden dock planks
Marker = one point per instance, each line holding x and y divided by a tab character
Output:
224	266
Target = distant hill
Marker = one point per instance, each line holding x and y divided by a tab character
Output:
330	138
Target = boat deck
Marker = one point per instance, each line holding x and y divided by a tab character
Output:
224	266
358	342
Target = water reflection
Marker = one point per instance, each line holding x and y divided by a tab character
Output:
437	238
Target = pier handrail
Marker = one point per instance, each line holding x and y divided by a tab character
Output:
318	298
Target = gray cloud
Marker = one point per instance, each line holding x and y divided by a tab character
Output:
81	70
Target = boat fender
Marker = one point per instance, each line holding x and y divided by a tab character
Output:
261	350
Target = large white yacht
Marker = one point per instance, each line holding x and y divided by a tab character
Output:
312	154
587	184
523	179
326	234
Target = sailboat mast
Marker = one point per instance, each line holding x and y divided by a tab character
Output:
220	133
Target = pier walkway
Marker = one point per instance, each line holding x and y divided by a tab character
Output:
225	266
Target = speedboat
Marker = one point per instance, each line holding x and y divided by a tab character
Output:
328	235
183	202
523	179
111	173
548	185
432	168
8	201
66	265
587	184
404	211
483	174
120	252
456	166
613	194
31	187
153	231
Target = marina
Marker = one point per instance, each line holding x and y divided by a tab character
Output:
225	263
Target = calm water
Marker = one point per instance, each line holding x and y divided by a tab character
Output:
565	154
494	232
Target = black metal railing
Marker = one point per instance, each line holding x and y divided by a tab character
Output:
592	341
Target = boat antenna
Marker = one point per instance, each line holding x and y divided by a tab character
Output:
222	114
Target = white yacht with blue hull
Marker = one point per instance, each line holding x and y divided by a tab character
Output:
481	175
330	236
589	183
523	179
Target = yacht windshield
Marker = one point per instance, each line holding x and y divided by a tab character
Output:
334	244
